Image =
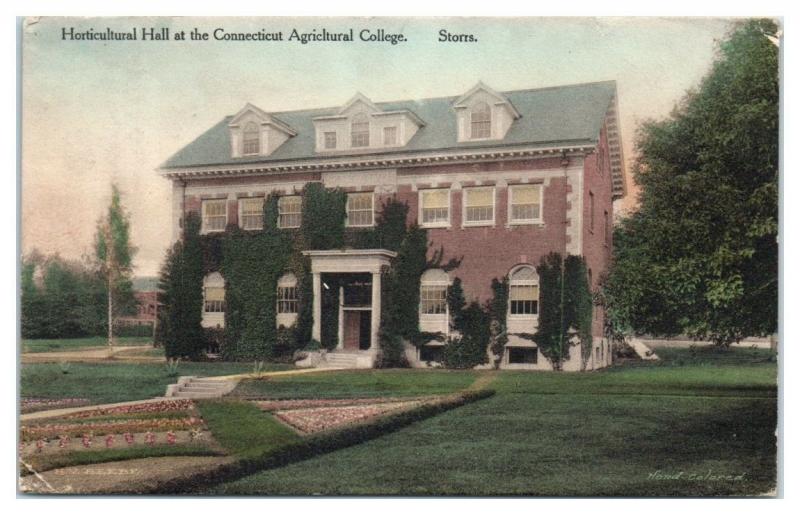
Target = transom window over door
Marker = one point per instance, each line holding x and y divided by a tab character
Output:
215	216
359	209
524	292
289	212
481	121
251	216
359	131
525	202
478	206
251	140
435	207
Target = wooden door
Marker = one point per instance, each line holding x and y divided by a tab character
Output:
352	329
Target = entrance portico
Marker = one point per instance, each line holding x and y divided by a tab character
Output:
356	277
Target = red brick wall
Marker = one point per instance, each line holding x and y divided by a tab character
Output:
596	243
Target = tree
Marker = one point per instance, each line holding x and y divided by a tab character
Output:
700	255
114	255
181	295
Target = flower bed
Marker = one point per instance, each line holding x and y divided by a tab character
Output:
278	405
145	407
57	429
31	404
313	420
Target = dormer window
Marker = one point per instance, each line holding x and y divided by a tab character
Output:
251	139
390	136
330	140
481	121
359	131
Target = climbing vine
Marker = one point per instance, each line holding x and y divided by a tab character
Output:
565	309
466	347
497	307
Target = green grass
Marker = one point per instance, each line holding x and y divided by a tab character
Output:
115	382
243	429
73	344
594	434
363	383
45	462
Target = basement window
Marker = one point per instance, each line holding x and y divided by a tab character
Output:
523	355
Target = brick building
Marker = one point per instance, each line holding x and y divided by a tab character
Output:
500	178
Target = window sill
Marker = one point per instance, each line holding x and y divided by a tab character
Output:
346	226
525	222
435	226
466	225
212	231
522	317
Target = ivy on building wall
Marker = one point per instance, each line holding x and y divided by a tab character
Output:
181	295
252	263
470	324
565	309
497	307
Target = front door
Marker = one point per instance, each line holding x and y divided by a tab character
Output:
352	330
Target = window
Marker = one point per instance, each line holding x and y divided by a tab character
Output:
435	207
287	294
591	211
525	202
390	136
523	355
214	293
524	292
431	353
359	131
215	216
359	209
330	140
478	206
433	292
481	121
289	212
251	139
251	213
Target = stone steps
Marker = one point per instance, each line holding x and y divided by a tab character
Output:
191	387
339	360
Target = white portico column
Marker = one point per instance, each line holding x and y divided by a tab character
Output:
375	321
316	328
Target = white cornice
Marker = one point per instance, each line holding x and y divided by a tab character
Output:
373	161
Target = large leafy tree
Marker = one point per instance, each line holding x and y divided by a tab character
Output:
114	255
700	256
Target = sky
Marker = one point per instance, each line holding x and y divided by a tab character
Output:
97	112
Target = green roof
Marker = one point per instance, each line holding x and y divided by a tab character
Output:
562	115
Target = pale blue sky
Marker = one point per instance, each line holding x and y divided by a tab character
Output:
94	112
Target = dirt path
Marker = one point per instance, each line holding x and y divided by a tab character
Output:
91	354
119	477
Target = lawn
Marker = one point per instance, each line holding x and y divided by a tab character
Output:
362	383
116	382
71	344
695	424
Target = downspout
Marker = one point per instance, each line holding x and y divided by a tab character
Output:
564	165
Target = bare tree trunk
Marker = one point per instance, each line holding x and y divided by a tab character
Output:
110	313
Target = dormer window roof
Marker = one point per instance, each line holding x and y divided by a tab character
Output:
257	133
484	114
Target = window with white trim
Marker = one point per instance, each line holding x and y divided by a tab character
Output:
215	215
330	140
481	121
289	211
523	292
359	131
478	206
433	292
251	139
213	293
360	209
435	207
287	294
390	136
251	213
525	203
